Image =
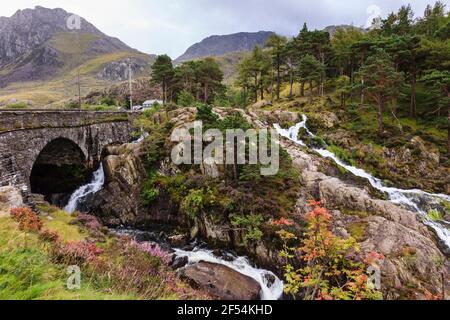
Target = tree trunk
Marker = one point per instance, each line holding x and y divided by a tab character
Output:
448	139
380	117
256	88
394	105
362	93
291	83
302	89
413	96
278	78
164	92
205	92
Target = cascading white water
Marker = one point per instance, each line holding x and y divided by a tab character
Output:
94	186
415	200
242	265
81	193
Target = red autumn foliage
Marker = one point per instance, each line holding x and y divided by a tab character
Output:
374	258
27	219
282	222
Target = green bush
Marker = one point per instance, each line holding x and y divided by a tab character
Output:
196	201
108	101
250	225
185	99
17	105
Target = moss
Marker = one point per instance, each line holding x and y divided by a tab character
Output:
342	154
354	213
435	215
358	230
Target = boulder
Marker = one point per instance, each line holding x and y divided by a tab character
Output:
179	262
413	263
221	282
262	104
10	197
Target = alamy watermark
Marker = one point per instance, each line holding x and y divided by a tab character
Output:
374	20
74	279
234	147
73	22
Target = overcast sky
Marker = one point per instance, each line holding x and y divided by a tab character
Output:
171	26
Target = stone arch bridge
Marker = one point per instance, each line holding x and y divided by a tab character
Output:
42	150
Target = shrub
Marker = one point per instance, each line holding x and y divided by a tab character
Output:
108	101
17	105
148	196
329	267
194	203
48	236
205	113
75	253
250	226
152	249
27	219
185	99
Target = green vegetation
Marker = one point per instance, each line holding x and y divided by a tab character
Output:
239	197
399	68
199	80
36	252
17	105
250	225
328	267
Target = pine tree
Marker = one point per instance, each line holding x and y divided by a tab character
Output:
162	73
382	81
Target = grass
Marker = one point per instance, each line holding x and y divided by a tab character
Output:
26	273
65	42
59	221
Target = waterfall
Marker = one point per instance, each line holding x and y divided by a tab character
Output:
242	265
83	192
414	200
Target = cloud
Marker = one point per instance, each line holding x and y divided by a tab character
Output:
170	26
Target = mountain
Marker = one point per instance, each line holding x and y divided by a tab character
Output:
221	45
40	54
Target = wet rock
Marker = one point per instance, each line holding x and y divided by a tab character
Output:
221	282
179	262
270	279
178	241
222	254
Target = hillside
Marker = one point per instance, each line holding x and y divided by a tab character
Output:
220	45
40	58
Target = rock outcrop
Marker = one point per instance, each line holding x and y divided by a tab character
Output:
10	198
221	282
413	258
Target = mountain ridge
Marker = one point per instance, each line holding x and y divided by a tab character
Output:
38	49
218	45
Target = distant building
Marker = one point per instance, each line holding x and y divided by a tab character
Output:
137	108
150	103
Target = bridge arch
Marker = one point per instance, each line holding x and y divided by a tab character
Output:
59	169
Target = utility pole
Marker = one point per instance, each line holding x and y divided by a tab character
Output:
79	88
131	85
